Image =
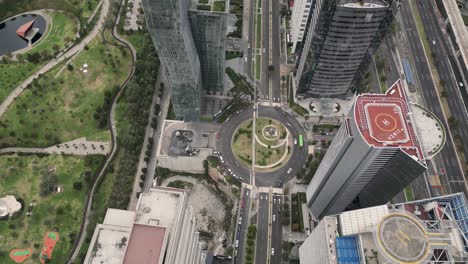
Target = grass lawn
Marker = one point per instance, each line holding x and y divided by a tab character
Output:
21	176
13	73
242	145
258	65
63	31
258	39
64	107
409	193
219	6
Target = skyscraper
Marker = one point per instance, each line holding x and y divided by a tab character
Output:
299	18
162	229
209	34
426	231
342	36
190	41
168	24
374	155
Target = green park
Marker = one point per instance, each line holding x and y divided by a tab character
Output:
70	101
52	191
62	30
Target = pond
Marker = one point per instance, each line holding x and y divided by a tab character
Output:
9	41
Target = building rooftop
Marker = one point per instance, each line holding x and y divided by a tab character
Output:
160	207
363	3
384	121
119	217
106	245
426	231
23	29
146	245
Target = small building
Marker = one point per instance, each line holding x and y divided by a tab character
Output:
26	31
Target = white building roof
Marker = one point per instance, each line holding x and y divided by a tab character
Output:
362	220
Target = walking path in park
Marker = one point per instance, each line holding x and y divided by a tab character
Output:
80	147
75	49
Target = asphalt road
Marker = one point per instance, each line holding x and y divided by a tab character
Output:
453	177
265	50
275	178
276	229
275	52
241	231
262	249
248	48
449	74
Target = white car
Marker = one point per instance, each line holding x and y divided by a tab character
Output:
245	59
264	50
272	251
274	218
237	243
289	171
221	159
295	141
248	45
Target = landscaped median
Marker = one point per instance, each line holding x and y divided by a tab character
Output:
250	245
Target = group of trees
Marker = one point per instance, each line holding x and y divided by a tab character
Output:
136	105
250	250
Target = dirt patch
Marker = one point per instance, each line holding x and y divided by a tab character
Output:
209	212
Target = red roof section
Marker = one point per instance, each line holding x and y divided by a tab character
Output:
146	244
23	30
383	120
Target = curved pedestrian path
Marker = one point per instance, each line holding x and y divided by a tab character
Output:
78	147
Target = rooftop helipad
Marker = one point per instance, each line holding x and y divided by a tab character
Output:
383	120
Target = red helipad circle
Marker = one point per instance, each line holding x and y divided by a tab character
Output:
385	122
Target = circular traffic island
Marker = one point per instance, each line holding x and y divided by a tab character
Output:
272	144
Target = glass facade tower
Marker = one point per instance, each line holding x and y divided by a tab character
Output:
343	35
209	34
168	24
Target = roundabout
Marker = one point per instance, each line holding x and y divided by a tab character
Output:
276	154
272	149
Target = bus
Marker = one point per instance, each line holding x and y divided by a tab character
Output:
301	141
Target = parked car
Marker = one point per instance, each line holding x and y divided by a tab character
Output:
289	171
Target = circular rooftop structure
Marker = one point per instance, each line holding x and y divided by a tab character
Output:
431	131
402	239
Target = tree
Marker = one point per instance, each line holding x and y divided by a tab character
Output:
48	183
320	118
77	186
55	47
69	67
271	68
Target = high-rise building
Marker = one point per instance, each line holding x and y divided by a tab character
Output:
209	34
299	18
168	24
161	230
342	36
432	231
375	154
190	40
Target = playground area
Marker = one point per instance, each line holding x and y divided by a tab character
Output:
50	240
19	255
